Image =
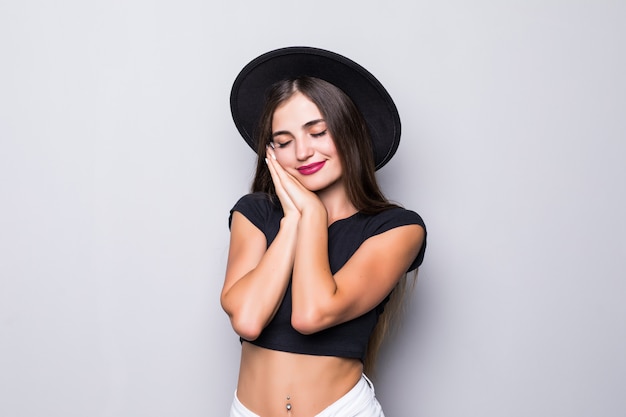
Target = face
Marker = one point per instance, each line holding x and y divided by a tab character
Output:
303	145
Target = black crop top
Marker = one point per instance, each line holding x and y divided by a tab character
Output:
347	339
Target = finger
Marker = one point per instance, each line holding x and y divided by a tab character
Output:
277	174
285	177
288	187
286	180
278	169
273	173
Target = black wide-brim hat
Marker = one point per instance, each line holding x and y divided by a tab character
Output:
249	90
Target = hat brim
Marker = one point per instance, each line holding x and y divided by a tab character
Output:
249	90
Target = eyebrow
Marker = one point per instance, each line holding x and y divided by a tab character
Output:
306	125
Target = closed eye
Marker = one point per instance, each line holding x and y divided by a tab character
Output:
281	145
320	134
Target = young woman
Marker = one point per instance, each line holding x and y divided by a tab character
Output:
316	250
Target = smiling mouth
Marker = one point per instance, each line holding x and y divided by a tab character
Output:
311	168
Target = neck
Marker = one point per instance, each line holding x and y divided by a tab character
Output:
336	202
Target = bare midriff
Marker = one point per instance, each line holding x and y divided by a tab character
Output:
274	383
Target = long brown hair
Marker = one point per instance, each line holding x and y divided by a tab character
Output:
352	139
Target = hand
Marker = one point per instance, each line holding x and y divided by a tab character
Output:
291	193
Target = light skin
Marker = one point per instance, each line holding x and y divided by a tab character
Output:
307	175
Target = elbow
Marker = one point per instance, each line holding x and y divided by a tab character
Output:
306	323
246	325
248	329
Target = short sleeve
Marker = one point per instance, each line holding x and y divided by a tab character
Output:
396	217
262	213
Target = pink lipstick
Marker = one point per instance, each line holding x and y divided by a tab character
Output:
311	168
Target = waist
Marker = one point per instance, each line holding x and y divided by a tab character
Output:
271	381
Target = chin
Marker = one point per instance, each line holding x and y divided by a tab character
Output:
313	187
317	186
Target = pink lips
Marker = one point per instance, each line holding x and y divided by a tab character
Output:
311	168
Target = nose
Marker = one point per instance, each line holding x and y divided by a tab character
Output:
304	150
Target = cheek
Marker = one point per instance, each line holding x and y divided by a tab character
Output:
330	149
282	159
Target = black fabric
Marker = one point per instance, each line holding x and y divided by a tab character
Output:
344	238
249	90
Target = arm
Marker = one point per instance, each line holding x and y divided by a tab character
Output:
322	300
256	278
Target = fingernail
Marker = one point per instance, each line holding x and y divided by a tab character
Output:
266	161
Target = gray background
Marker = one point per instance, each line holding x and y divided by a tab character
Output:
119	162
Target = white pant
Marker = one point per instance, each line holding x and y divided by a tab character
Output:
360	401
